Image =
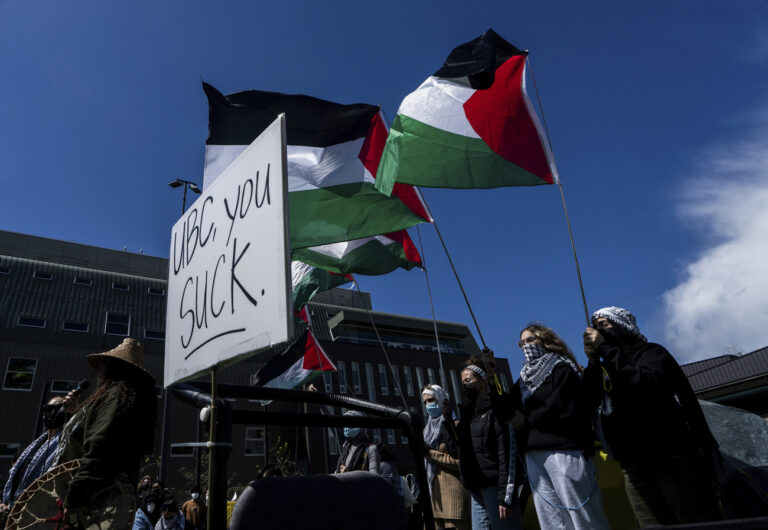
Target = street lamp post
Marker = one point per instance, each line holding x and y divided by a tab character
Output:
187	184
166	397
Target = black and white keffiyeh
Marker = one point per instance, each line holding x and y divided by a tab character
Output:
538	366
620	317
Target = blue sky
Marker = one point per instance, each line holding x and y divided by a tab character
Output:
656	110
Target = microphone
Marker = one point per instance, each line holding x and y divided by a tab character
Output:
81	386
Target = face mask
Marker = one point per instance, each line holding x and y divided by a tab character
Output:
470	391
609	335
434	410
351	432
195	496
151	507
53	416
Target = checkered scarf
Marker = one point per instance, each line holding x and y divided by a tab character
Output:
538	366
620	317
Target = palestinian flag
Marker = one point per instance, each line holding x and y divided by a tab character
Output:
300	363
331	162
470	125
307	281
371	256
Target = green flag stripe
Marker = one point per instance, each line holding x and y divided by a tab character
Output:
422	155
343	213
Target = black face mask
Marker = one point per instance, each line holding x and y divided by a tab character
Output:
470	391
611	335
53	416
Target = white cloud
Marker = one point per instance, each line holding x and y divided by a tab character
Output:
722	299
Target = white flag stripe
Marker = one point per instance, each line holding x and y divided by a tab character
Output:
339	250
439	103
309	168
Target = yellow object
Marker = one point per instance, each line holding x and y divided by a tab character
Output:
230	506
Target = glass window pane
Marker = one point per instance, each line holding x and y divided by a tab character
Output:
383	380
396	379
408	380
341	372
370	382
420	378
356	376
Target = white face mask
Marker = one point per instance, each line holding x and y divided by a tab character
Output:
151	507
195	496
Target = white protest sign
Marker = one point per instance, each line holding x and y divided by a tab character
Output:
229	285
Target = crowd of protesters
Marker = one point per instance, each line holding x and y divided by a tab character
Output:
632	399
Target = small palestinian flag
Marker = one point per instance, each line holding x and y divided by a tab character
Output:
331	162
307	281
300	363
470	125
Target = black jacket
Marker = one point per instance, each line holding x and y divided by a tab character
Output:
654	407
556	415
483	449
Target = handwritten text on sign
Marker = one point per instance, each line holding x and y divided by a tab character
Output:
228	286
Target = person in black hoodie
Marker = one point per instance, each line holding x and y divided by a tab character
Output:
651	422
555	435
484	447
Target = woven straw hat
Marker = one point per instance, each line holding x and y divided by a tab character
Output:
130	351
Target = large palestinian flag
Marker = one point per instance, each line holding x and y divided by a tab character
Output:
470	125
301	362
331	168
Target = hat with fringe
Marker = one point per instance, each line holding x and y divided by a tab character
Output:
130	351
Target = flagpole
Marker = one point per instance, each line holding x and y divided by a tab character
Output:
383	349
562	194
448	255
432	306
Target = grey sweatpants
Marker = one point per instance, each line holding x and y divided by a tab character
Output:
561	481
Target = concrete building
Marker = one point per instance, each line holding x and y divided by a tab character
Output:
60	301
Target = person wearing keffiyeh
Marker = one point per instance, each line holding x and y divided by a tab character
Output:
651	422
38	456
450	501
556	436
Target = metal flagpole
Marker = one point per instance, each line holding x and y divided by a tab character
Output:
432	306
445	248
562	194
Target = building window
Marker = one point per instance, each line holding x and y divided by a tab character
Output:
391	440
117	286
182	450
420	378
19	374
356	377
396	379
154	334
333	444
87	282
504	382
383	380
342	374
456	388
5	270
71	325
155	291
117	324
328	381
8	450
431	377
376	435
255	441
63	385
408	380
40	275
403	439
31	322
370	382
